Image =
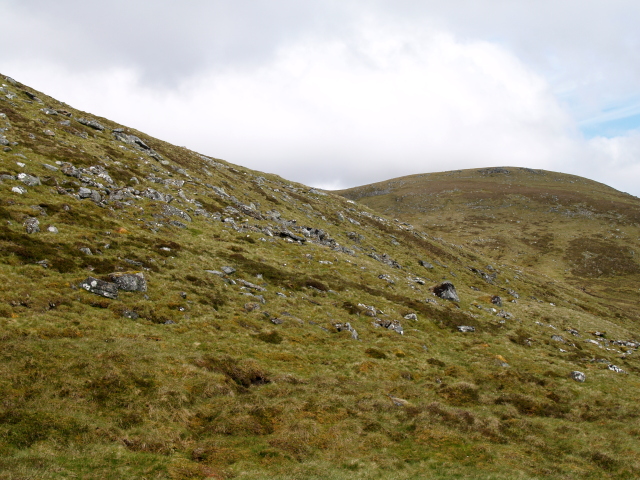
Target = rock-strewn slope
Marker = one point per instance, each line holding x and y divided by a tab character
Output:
166	314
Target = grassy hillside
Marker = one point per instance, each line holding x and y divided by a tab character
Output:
275	331
572	229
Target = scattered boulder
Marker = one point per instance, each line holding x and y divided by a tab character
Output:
558	338
91	123
578	376
29	180
31	225
100	287
130	314
411	316
129	282
86	250
19	190
346	326
389	324
173	211
52	229
615	368
447	291
496	300
228	270
466	329
426	264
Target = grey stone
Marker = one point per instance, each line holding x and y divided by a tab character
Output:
52	229
426	264
91	123
49	133
29	180
86	250
129	282
178	224
130	314
411	316
496	300
347	327
389	324
20	190
84	192
615	368
578	376
31	225
171	210
558	338
446	291
228	270
4	141
50	167
152	194
466	329
100	287
252	285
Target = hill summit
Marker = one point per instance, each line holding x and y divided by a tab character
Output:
166	314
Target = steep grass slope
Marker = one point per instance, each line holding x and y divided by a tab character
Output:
164	314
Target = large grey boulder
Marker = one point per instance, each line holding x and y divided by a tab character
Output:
100	287
129	282
446	291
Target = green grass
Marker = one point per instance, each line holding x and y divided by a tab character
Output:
209	382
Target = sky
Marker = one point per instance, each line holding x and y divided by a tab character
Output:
340	93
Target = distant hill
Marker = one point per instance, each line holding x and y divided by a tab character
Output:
570	228
165	314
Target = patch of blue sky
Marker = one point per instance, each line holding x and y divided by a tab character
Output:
612	122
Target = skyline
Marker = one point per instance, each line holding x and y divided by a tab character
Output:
338	94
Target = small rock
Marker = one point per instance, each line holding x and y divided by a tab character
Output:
411	316
496	300
52	229
50	167
91	123
558	338
251	306
130	314
31	225
426	264
50	133
129	282
20	190
447	291
615	368
100	287
347	326
86	250
228	270
466	328
29	180
578	376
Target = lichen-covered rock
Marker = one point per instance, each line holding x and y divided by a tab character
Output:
31	225
578	376
100	287
466	329
446	291
29	180
129	282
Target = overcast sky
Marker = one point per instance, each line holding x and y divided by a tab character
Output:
343	93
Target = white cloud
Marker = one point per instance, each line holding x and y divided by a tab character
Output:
378	101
